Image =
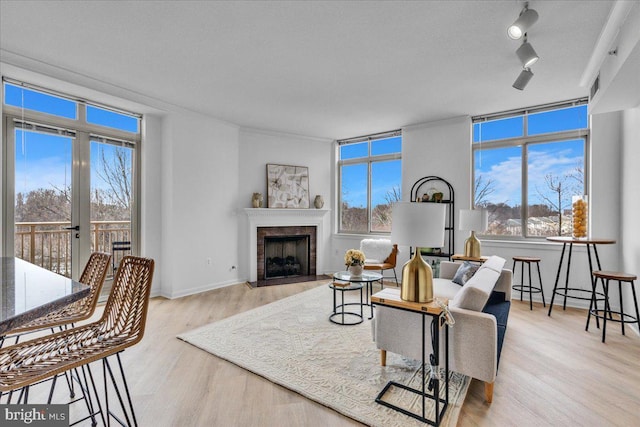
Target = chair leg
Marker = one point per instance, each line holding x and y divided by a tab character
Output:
383	357
621	306
488	392
395	276
544	304
530	289
107	367
635	304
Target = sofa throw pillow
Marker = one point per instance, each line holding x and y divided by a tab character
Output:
464	273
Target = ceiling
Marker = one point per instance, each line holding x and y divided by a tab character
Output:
325	69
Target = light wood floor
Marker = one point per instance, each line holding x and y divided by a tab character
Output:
552	372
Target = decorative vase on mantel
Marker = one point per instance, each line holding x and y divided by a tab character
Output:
318	202
355	270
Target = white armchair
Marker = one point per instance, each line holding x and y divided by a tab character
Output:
380	255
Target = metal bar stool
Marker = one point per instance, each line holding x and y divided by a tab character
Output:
605	277
521	287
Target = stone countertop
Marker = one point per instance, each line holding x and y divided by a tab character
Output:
28	292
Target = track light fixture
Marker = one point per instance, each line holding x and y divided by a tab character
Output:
527	54
523	79
527	18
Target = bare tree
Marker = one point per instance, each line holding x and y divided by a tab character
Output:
556	185
115	171
481	190
381	214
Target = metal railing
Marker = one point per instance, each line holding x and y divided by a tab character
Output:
48	244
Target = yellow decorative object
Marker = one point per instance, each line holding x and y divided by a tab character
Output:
579	209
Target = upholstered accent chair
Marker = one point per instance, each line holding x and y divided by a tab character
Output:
380	255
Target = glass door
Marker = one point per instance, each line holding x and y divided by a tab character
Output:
111	198
43	216
68	179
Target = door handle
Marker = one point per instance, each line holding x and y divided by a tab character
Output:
77	228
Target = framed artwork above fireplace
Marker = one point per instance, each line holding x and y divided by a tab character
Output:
287	186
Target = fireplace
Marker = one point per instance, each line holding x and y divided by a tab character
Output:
286	219
286	251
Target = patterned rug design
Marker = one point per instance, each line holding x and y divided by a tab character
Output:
292	343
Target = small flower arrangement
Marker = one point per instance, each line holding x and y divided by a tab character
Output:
353	257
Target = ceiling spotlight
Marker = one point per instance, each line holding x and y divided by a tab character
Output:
527	18
523	79
527	54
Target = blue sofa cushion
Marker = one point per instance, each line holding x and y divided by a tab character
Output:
499	308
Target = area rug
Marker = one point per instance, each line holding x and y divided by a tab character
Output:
292	343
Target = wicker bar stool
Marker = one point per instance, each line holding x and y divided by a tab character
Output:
530	288
122	325
607	312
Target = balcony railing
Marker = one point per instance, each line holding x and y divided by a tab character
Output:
48	244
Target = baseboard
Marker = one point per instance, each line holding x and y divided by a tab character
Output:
197	290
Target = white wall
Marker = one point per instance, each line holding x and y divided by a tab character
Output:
151	195
200	181
257	148
630	200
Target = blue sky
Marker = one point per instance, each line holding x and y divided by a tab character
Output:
503	166
44	160
354	177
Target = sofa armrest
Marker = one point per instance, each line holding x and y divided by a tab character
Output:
473	346
503	284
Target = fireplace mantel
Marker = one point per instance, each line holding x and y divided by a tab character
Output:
271	217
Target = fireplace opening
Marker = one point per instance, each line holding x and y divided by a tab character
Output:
286	256
284	252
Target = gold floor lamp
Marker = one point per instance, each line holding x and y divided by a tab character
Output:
420	225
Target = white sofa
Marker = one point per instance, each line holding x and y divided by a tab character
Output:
480	309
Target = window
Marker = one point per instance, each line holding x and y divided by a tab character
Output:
527	165
70	165
369	175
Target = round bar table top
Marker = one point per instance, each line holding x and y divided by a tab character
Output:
583	240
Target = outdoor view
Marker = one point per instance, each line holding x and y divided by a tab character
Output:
552	154
370	181
44	167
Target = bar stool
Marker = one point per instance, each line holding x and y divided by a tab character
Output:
605	277
521	287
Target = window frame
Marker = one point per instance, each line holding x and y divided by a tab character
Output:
524	142
83	131
369	160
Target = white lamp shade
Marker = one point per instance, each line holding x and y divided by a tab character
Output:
474	219
418	224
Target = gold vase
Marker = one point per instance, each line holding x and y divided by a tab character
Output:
417	280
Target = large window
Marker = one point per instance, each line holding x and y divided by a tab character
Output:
369	169
527	165
69	174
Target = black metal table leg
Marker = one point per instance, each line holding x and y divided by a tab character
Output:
555	286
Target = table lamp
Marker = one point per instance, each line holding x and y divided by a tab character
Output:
473	220
420	225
